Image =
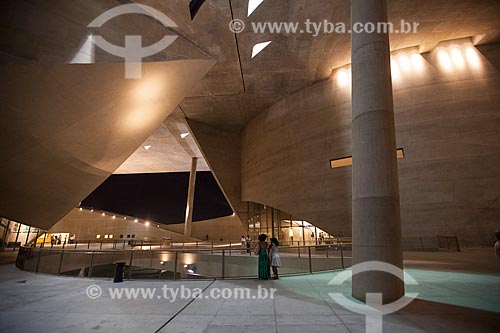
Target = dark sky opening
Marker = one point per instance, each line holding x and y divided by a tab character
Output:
160	197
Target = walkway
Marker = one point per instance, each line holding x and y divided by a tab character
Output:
448	302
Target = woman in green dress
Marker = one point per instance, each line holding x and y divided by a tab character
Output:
261	251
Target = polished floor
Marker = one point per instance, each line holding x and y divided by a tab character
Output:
448	301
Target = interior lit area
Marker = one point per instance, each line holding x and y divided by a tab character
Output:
250	165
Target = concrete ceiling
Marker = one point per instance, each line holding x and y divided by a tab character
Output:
169	152
295	61
238	87
235	90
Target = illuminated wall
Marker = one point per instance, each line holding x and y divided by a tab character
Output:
448	123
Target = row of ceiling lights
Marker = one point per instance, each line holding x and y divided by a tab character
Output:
147	223
454	58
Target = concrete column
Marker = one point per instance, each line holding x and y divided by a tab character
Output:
190	199
376	222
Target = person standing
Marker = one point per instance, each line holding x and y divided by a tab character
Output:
275	257
249	242
263	262
243	244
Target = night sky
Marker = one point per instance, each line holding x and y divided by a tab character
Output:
160	197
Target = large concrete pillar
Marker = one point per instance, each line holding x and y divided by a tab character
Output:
190	199
376	222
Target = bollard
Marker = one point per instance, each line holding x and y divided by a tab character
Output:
119	266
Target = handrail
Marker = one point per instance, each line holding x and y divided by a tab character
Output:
123	244
230	263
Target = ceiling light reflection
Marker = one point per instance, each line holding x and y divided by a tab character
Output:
444	60
472	57
404	62
417	62
457	57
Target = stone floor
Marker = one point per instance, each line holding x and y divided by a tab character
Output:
447	302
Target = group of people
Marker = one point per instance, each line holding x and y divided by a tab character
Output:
56	240
245	244
268	257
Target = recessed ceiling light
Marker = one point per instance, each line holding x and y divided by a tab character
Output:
136	220
124	218
103	214
183	135
147	224
81	208
252	6
114	216
259	47
147	147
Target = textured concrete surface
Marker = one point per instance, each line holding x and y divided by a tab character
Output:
83	122
376	220
222	151
447	123
448	302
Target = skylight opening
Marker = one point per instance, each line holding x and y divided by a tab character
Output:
258	48
253	5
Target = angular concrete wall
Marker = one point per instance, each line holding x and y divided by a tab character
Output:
86	225
66	128
222	152
447	123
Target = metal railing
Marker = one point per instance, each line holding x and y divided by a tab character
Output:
149	244
218	263
431	243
